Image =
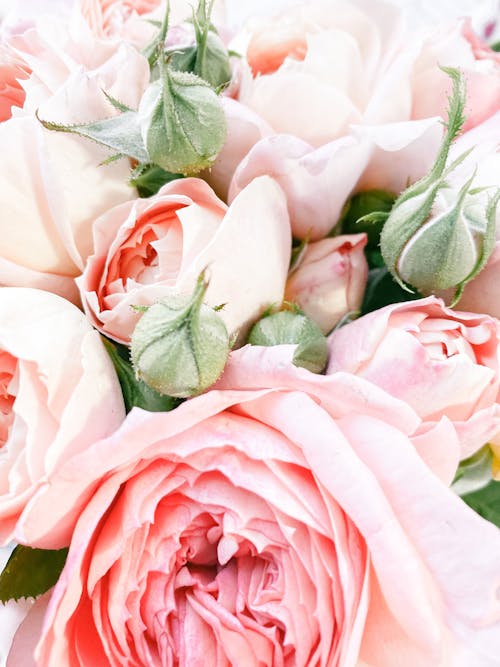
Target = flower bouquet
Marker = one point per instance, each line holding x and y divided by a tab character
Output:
249	346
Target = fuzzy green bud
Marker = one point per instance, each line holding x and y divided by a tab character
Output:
433	242
453	244
182	122
180	345
293	327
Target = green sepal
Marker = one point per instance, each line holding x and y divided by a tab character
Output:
474	473
30	572
488	245
486	502
149	178
119	133
136	392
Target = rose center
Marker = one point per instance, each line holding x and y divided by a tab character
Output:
8	367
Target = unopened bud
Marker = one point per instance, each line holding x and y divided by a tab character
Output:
293	327
182	122
432	243
180	345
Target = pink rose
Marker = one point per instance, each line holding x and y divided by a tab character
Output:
440	361
54	206
285	519
59	393
11	90
147	249
457	45
352	93
330	279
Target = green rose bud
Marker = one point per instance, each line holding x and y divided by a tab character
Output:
180	345
453	244
433	246
182	122
293	327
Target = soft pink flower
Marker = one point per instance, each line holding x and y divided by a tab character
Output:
12	94
330	279
440	361
53	205
58	394
456	45
147	249
343	86
285	519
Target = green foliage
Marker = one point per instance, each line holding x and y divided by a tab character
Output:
382	290
474	473
149	178
30	572
136	392
486	502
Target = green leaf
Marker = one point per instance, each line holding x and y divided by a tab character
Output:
120	133
30	572
382	290
358	215
486	502
149	178
136	392
495	46
474	473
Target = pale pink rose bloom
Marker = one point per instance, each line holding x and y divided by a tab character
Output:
457	45
284	519
343	85
59	393
53	186
330	279
440	361
150	248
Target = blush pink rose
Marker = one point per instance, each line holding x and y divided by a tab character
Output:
352	93
12	93
284	519
53	205
58	394
330	279
440	361
148	249
457	45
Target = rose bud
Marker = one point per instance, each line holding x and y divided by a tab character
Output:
293	327
181	121
431	243
180	345
329	280
454	243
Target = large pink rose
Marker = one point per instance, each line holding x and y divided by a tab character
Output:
58	394
352	94
440	361
285	519
54	205
330	279
148	249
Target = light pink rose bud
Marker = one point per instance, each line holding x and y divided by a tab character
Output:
330	279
